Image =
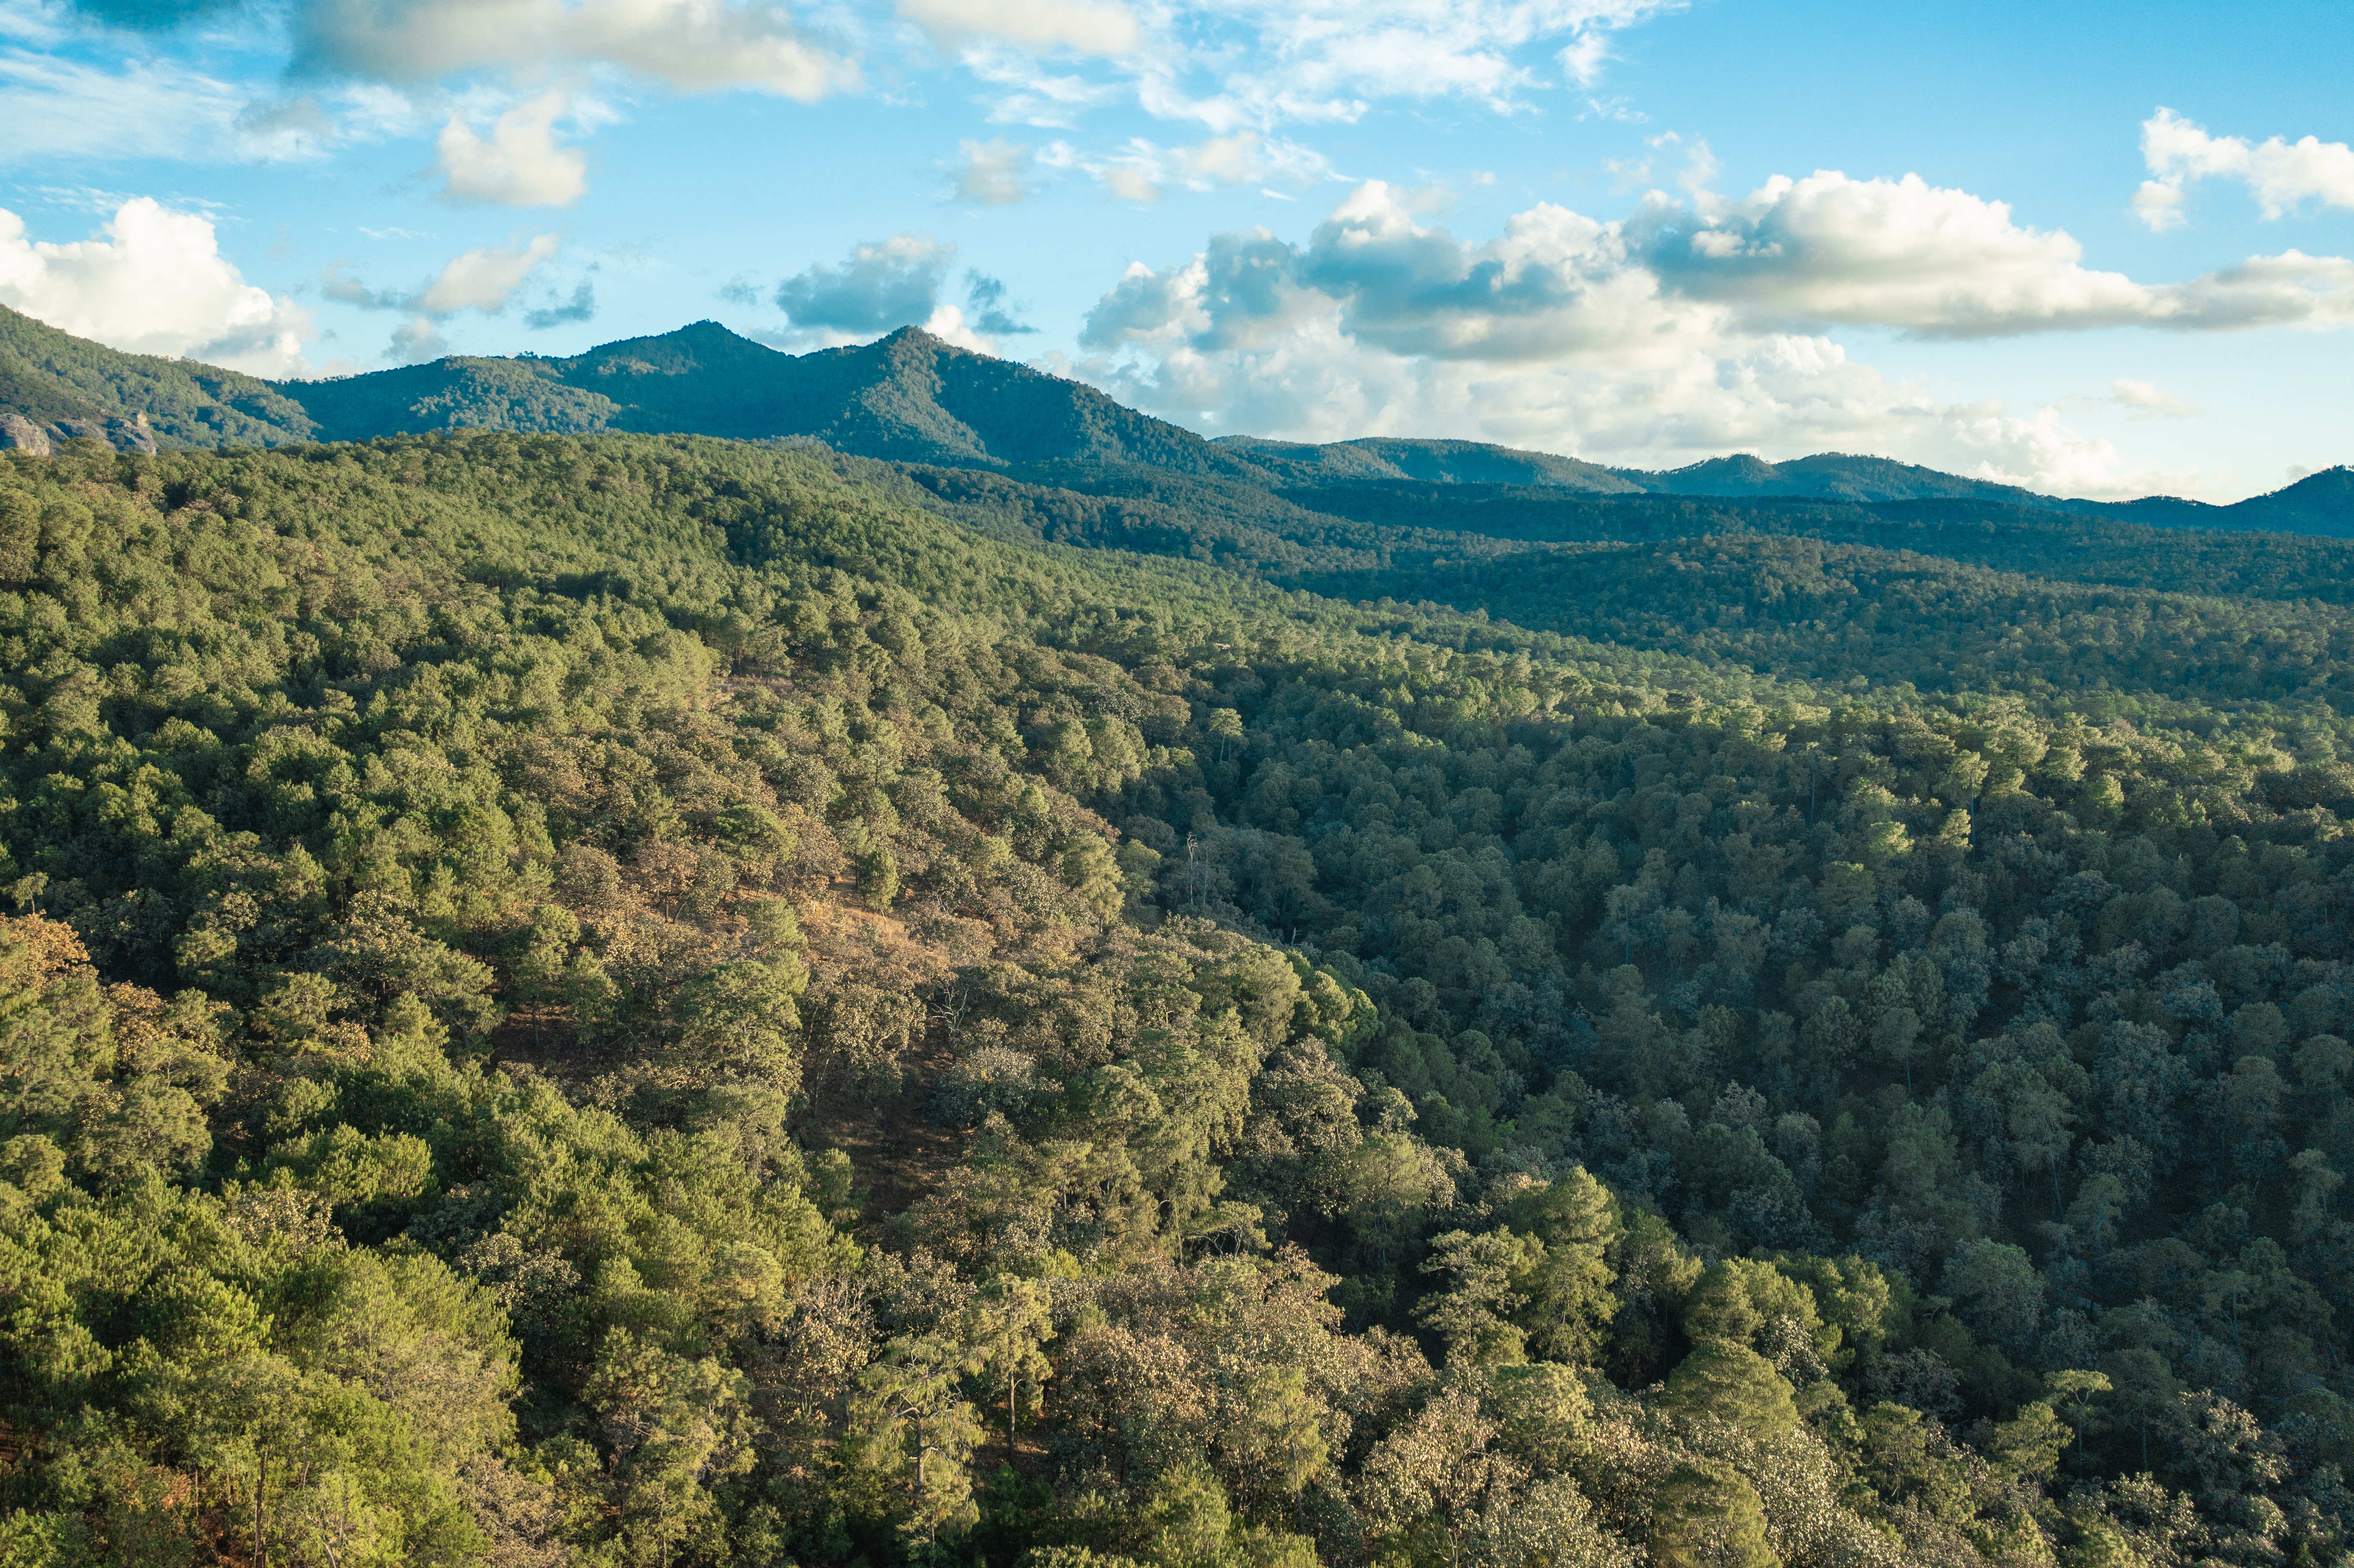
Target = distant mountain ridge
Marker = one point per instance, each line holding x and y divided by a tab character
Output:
912	397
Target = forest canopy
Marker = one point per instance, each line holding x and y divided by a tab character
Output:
649	1000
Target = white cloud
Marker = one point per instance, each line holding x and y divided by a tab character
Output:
1939	262
1142	170
947	323
1888	252
60	108
2159	205
2148	400
1656	340
1589	46
157	105
1028	94
520	165
485	279
157	283
1324	58
1257	65
694	45
1223	160
2283	175
1084	26
995	172
1130	182
1583	60
1221	67
29	22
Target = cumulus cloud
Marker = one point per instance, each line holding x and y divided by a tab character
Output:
154	283
1084	26
2159	205
1887	252
485	279
520	165
694	45
2283	175
994	173
2145	400
1938	262
1826	250
890	284
1663	337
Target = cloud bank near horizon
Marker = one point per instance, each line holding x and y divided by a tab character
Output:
1682	331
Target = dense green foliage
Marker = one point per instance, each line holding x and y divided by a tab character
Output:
2090	543
2061	613
651	1001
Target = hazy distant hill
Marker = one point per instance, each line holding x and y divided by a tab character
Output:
1830	475
2318	504
1380	458
911	398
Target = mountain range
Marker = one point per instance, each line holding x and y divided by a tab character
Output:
911	398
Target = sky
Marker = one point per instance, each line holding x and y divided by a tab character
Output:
2096	249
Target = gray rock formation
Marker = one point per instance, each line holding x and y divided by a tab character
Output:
18	433
122	435
131	435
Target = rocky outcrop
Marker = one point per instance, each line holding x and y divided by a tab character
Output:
121	435
131	435
19	434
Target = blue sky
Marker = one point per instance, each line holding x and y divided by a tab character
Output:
2097	249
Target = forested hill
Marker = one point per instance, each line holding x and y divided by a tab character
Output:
615	999
911	398
57	387
908	396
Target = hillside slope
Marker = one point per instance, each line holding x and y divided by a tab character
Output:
55	387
